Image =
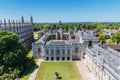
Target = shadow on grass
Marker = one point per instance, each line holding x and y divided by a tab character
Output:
59	77
32	66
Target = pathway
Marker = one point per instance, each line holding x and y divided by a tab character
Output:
34	73
82	69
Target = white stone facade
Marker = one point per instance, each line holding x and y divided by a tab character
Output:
103	63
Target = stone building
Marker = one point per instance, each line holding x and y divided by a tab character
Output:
103	62
23	29
57	45
62	50
84	37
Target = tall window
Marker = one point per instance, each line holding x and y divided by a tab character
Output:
68	52
58	52
39	49
52	52
46	52
63	51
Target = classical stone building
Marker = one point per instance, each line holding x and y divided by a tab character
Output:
62	50
23	29
103	62
57	45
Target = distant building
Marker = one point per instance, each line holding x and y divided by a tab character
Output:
23	29
84	37
108	33
103	63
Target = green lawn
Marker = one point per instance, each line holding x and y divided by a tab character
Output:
35	35
67	70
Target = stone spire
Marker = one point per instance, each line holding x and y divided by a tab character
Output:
0	25
31	20
9	22
5	23
22	19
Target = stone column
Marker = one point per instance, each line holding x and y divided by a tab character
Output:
61	54
49	53
66	54
54	54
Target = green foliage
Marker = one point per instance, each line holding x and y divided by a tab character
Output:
13	60
101	37
116	37
83	25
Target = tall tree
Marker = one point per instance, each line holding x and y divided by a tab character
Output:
13	60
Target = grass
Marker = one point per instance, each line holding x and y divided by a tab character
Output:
67	70
35	35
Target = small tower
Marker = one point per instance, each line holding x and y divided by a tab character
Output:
9	25
31	20
0	25
22	19
5	24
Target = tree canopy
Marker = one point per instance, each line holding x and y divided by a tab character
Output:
13	60
82	25
101	37
116	37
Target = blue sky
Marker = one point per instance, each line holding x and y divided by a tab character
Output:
65	10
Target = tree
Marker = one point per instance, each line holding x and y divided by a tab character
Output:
116	37
13	60
101	37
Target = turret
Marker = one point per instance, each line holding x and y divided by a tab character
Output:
22	19
5	24
31	20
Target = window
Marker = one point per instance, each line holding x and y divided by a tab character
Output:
58	52
63	51
76	49
68	52
52	52
39	49
46	52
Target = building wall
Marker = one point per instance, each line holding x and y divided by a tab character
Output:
23	29
57	53
99	69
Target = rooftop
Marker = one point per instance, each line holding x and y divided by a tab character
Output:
110	58
86	36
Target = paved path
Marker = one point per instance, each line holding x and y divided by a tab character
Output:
34	73
82	69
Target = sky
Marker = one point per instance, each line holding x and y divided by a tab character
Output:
64	10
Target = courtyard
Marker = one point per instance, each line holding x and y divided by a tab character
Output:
66	70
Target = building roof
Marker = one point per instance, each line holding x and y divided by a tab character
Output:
86	36
113	46
58	42
109	57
